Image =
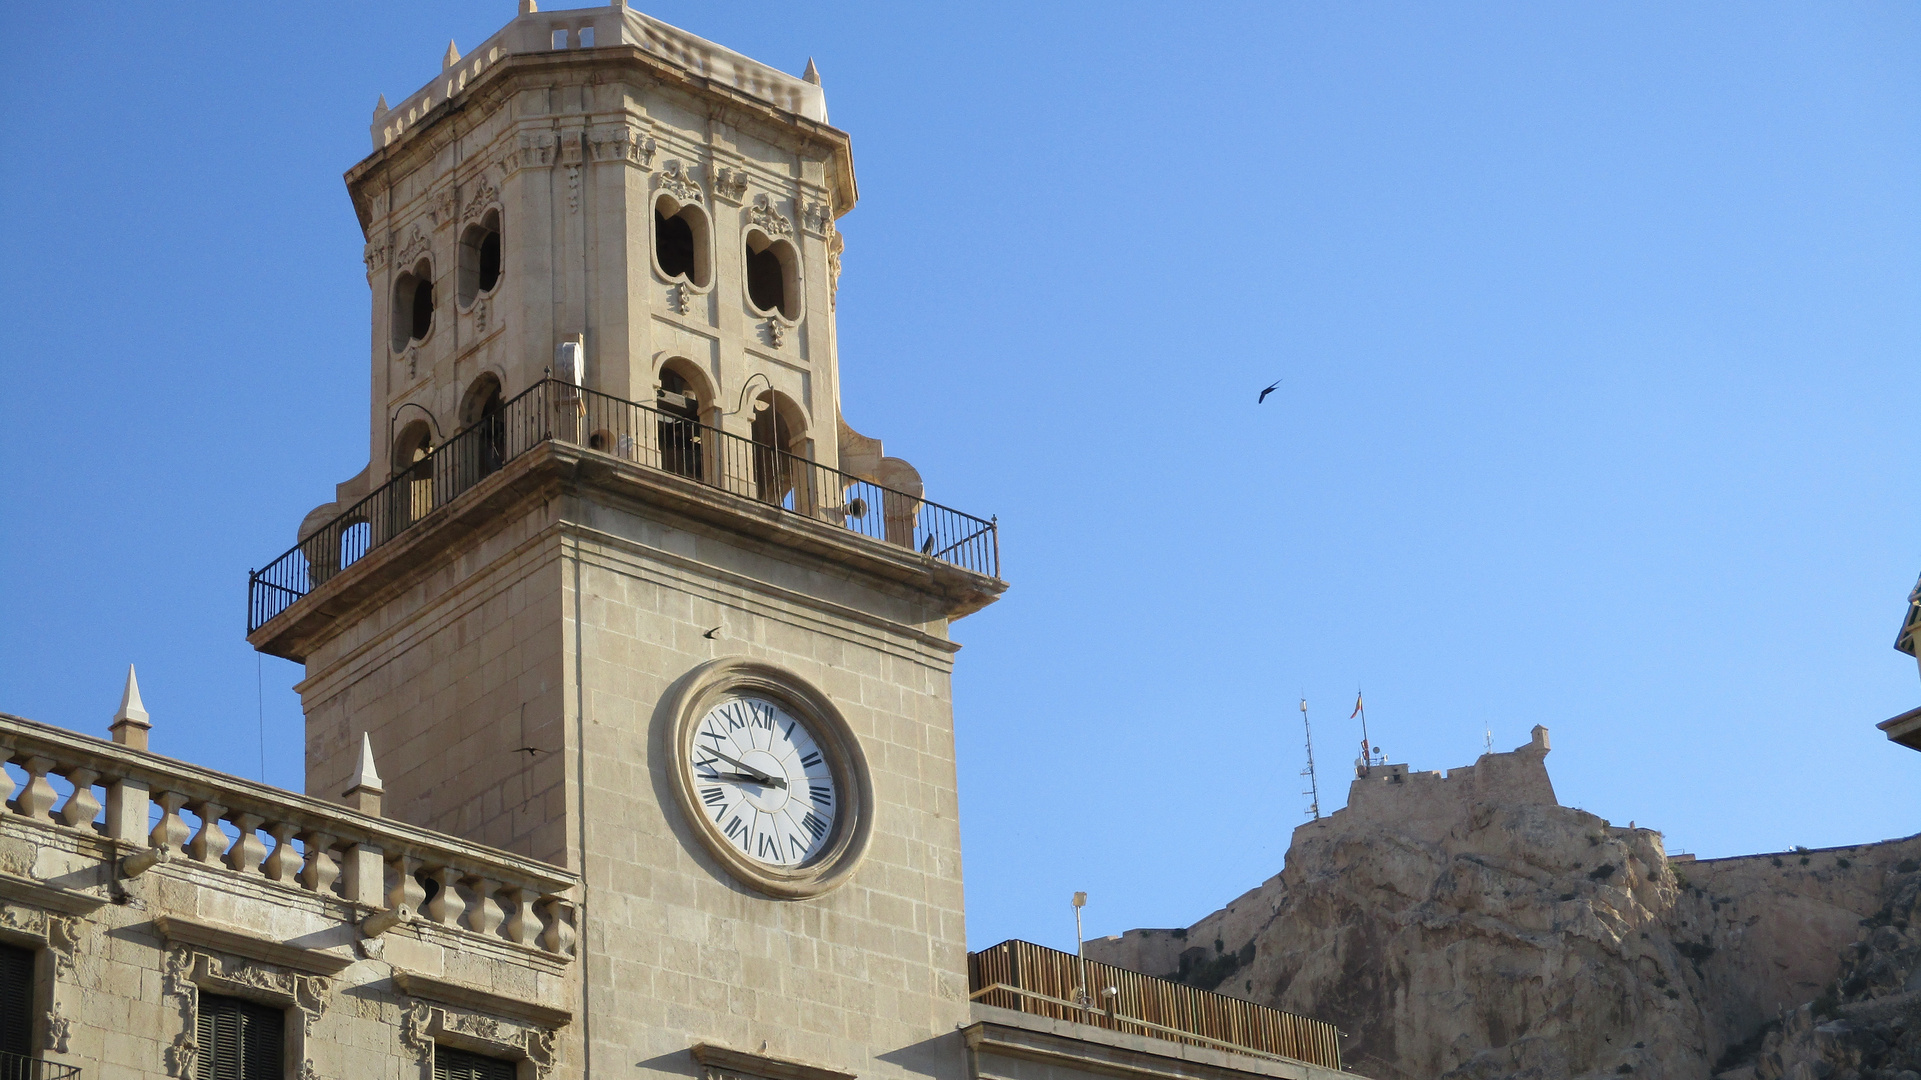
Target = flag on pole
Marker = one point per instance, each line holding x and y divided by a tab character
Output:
1357	706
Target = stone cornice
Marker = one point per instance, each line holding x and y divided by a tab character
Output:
47	897
246	943
719	1059
493	86
428	988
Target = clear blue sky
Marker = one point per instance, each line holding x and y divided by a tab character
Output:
1598	325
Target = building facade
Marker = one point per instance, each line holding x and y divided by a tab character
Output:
627	664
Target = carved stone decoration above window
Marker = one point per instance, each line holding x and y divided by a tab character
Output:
818	217
730	184
677	179
769	220
483	197
442	206
423	1025
535	149
618	142
417	244
375	256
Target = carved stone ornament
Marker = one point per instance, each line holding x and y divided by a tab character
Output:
375	256
769	220
618	142
573	189
677	179
834	247
423	1025
818	217
442	206
176	981
776	333
730	184
59	1026
532	150
681	298
481	314
417	244
484	195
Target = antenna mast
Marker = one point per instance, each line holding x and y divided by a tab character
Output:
1313	791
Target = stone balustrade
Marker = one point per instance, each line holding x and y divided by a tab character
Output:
139	802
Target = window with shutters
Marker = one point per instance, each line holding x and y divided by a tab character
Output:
239	1040
16	1005
452	1064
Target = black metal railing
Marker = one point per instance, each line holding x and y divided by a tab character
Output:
22	1067
642	435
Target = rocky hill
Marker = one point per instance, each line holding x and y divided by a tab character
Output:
1469	927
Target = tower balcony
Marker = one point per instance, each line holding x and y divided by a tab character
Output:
697	468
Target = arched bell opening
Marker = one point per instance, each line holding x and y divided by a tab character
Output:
482	418
781	475
680	406
413	465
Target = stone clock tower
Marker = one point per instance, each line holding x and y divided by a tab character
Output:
620	589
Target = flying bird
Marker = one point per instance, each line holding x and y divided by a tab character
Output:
1264	393
709	635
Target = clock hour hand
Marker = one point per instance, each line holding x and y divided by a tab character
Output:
757	776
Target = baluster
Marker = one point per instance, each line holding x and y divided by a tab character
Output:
558	937
81	807
170	832
483	916
38	796
446	906
406	891
284	863
320	872
247	852
210	843
6	781
523	926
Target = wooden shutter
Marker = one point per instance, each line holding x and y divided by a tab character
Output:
16	1000
452	1064
239	1040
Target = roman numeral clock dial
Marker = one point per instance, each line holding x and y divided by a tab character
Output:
769	776
763	781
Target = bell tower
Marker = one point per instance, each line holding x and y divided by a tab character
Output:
620	588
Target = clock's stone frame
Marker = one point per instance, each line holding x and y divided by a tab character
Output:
735	676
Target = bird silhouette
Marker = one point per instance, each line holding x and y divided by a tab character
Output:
1264	393
709	635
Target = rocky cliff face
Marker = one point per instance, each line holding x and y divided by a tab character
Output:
1471	928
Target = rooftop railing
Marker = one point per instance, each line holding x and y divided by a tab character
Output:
638	434
1034	979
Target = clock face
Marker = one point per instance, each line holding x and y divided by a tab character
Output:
763	781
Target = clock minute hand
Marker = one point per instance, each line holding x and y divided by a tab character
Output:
759	777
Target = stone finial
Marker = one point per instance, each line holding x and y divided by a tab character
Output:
452	57
812	74
380	107
365	792
1540	739
528	7
130	724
